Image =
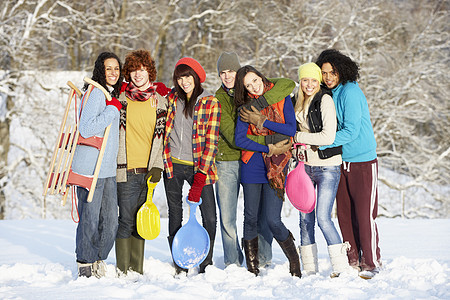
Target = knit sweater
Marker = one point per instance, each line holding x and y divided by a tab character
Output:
355	132
227	149
95	117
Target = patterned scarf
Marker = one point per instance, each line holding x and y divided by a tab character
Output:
277	165
133	93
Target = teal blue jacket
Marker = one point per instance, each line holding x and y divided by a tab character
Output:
355	132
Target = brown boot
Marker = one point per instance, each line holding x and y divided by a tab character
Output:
251	255
291	253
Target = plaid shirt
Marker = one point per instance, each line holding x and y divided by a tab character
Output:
205	136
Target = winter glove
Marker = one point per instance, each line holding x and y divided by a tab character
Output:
275	138
279	148
259	103
253	116
197	186
154	174
115	102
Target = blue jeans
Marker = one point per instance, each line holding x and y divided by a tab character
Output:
131	195
227	192
97	228
261	196
326	181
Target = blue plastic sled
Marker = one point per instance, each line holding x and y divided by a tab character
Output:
191	243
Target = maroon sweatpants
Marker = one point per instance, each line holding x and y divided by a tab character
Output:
357	208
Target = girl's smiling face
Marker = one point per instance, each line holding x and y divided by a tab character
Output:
254	84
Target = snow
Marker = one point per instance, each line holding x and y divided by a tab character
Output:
37	261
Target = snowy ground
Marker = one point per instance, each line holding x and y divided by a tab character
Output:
37	262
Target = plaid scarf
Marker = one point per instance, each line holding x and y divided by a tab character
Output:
277	165
133	93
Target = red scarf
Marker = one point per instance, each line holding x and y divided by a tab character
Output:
135	94
276	164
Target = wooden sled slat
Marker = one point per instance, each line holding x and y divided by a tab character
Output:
60	177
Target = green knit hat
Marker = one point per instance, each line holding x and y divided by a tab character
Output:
228	61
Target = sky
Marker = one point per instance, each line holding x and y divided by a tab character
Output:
37	261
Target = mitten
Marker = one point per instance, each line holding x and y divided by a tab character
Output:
154	174
115	102
253	116
197	186
259	103
275	138
279	148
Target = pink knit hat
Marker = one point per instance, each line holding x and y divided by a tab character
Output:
195	65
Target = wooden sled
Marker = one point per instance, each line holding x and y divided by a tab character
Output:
60	176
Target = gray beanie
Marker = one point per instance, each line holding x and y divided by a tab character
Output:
228	61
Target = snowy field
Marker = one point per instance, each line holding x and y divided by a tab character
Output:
37	261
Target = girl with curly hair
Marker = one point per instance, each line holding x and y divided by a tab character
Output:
97	227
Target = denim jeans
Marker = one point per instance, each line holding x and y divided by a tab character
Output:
131	195
326	181
174	193
255	195
97	228
227	192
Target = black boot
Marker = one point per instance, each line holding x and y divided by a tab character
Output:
178	269
251	255
291	253
208	260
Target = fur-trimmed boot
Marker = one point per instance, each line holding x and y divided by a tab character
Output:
308	255
338	257
291	253
251	255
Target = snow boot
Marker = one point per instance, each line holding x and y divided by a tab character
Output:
208	260
178	269
123	254
291	253
251	255
99	268
368	274
338	257
85	269
308	255
137	255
